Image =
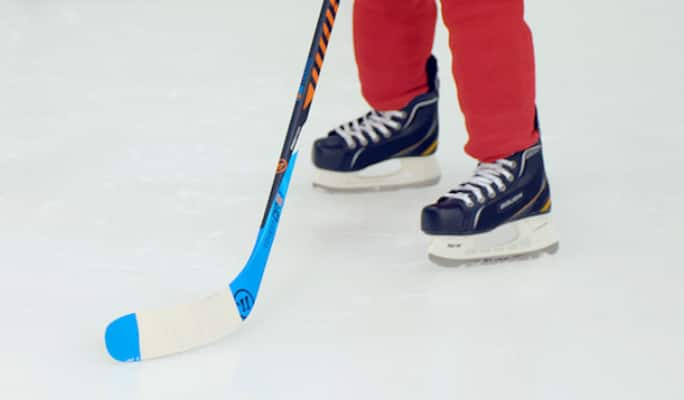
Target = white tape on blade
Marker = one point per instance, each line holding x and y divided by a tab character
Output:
179	328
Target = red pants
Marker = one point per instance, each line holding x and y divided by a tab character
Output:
493	64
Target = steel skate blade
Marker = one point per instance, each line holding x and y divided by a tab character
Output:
392	174
376	188
448	262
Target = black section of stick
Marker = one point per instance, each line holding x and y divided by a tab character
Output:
300	113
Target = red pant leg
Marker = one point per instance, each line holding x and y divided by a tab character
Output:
393	40
494	71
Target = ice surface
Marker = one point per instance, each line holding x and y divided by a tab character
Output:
137	145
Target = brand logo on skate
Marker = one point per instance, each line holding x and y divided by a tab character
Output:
282	166
510	201
244	301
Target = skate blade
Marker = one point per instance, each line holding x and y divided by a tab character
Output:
524	238
532	255
377	188
393	174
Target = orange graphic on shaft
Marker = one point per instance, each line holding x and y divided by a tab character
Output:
282	166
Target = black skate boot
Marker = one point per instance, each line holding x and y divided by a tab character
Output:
504	210
383	149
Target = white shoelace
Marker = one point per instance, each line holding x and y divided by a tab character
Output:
487	175
368	126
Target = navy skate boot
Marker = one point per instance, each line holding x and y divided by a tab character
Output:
383	149
504	210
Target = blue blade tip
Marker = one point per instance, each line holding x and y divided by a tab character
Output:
122	339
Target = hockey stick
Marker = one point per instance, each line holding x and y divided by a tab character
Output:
156	333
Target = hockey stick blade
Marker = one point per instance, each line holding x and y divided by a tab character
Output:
159	332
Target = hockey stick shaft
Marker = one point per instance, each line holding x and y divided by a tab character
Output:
159	332
305	94
246	285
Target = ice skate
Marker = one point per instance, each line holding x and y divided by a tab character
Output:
503	211
383	149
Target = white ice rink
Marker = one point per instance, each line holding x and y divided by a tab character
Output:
138	141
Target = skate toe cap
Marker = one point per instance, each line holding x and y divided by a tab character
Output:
329	152
438	220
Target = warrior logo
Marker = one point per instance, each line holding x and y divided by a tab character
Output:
244	301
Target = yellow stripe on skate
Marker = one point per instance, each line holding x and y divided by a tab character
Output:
430	149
